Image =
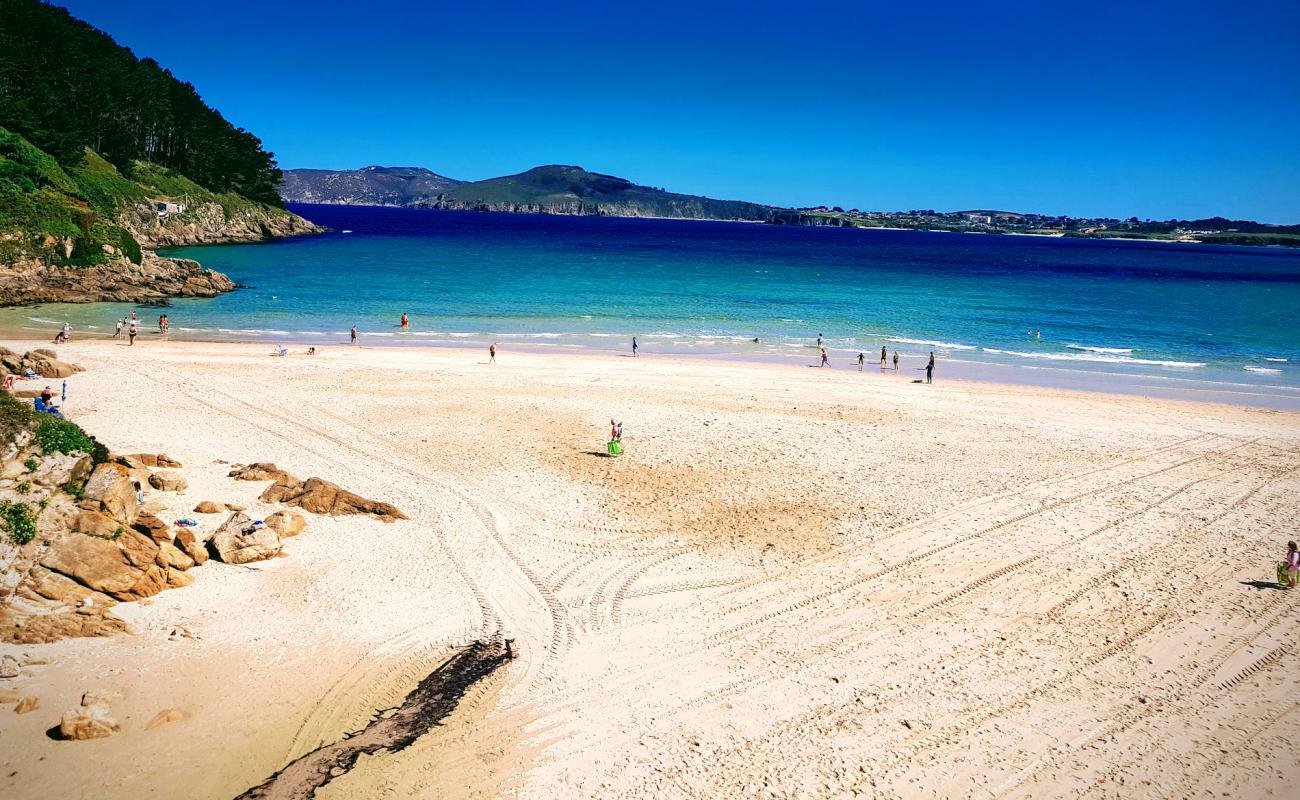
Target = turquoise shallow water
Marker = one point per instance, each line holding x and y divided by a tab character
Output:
1111	314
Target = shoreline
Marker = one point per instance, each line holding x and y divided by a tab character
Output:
950	367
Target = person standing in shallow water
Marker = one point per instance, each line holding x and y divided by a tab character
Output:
862	359
895	361
406	322
354	334
882	356
929	369
634	347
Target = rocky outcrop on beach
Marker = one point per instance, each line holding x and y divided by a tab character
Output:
42	361
154	279
316	495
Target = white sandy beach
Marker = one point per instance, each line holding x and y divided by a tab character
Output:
795	583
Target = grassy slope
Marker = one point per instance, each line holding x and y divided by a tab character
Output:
43	203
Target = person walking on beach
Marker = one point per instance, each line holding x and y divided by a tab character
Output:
634	347
929	369
1289	570
492	353
118	333
895	361
354	335
825	361
882	356
862	359
131	332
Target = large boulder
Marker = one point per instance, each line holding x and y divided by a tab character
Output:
168	482
209	507
155	460
286	523
153	527
322	497
261	471
175	557
97	523
239	541
127	567
49	366
111	486
90	720
190	545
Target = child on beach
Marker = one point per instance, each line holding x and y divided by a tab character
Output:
615	438
895	361
1289	569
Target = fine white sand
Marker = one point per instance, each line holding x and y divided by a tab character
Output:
795	583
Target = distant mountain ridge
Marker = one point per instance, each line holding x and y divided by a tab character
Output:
550	189
368	186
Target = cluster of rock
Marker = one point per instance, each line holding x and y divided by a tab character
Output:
96	548
91	551
314	494
42	361
120	280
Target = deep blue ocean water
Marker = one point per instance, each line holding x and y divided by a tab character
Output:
1186	314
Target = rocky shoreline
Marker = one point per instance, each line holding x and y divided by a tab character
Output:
83	530
156	278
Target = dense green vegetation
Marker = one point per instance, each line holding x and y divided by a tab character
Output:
89	134
18	520
43	205
55	435
65	87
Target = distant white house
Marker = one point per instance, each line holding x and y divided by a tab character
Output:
166	207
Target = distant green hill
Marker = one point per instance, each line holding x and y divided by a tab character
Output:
553	189
559	189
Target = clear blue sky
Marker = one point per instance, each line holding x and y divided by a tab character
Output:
1154	109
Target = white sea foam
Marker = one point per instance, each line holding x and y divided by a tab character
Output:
930	343
1100	358
258	331
1264	370
1111	350
1277	360
45	321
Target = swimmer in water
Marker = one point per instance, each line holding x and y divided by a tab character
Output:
406	323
